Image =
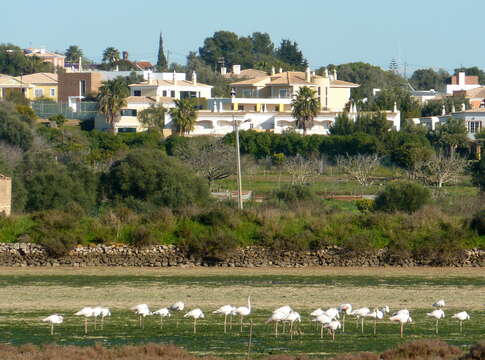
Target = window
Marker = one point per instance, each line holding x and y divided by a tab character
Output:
240	107
247	93
283	93
82	87
53	92
127	130
474	126
172	93
128	112
39	92
137	93
188	94
164	93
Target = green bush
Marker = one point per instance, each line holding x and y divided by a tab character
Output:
293	193
478	223
141	236
365	205
402	196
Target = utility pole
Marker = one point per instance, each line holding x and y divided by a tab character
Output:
238	154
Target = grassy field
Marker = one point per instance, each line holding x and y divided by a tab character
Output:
27	295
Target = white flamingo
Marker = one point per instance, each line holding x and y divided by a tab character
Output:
277	317
286	310
361	313
142	310
243	311
53	319
376	315
439	303
333	326
195	314
226	310
163	312
178	306
438	315
87	312
345	309
317	312
322	319
333	313
385	310
293	317
402	316
461	316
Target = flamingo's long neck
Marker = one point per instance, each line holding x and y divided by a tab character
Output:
249	304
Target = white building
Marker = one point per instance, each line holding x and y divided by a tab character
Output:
461	82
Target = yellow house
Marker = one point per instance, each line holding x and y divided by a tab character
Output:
9	84
39	85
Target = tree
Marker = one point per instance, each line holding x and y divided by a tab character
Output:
161	59
440	169
111	99
14	62
402	196
262	44
289	53
426	79
111	55
211	158
373	124
184	116
73	54
228	46
343	125
473	71
305	106
153	117
13	130
478	174
300	169
450	135
152	177
359	167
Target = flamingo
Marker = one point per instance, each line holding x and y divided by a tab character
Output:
439	303
178	306
332	326
225	310
87	312
104	313
195	314
461	316
53	319
243	311
333	313
292	317
142	311
437	314
163	312
376	315
345	309
276	317
402	316
322	319
317	312
361	313
385	310
286	309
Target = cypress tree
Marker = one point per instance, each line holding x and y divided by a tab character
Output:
162	60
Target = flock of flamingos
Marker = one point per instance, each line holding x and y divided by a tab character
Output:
332	319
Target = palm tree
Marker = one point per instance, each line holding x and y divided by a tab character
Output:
111	99
184	116
73	53
111	55
305	106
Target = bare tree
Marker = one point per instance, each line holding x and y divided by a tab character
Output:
441	169
210	158
359	167
301	170
12	154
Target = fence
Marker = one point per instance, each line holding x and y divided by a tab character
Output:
86	110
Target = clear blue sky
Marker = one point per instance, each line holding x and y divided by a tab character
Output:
423	33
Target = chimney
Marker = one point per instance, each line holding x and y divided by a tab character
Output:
461	78
117	68
223	70
80	63
463	107
280	71
395	107
236	69
125	55
307	75
194	78
273	71
326	72
174	77
335	74
443	110
149	78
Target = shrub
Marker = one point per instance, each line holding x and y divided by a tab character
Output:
142	237
423	350
478	223
364	205
477	352
357	356
402	196
293	193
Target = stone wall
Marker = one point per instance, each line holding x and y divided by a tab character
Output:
23	254
5	195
